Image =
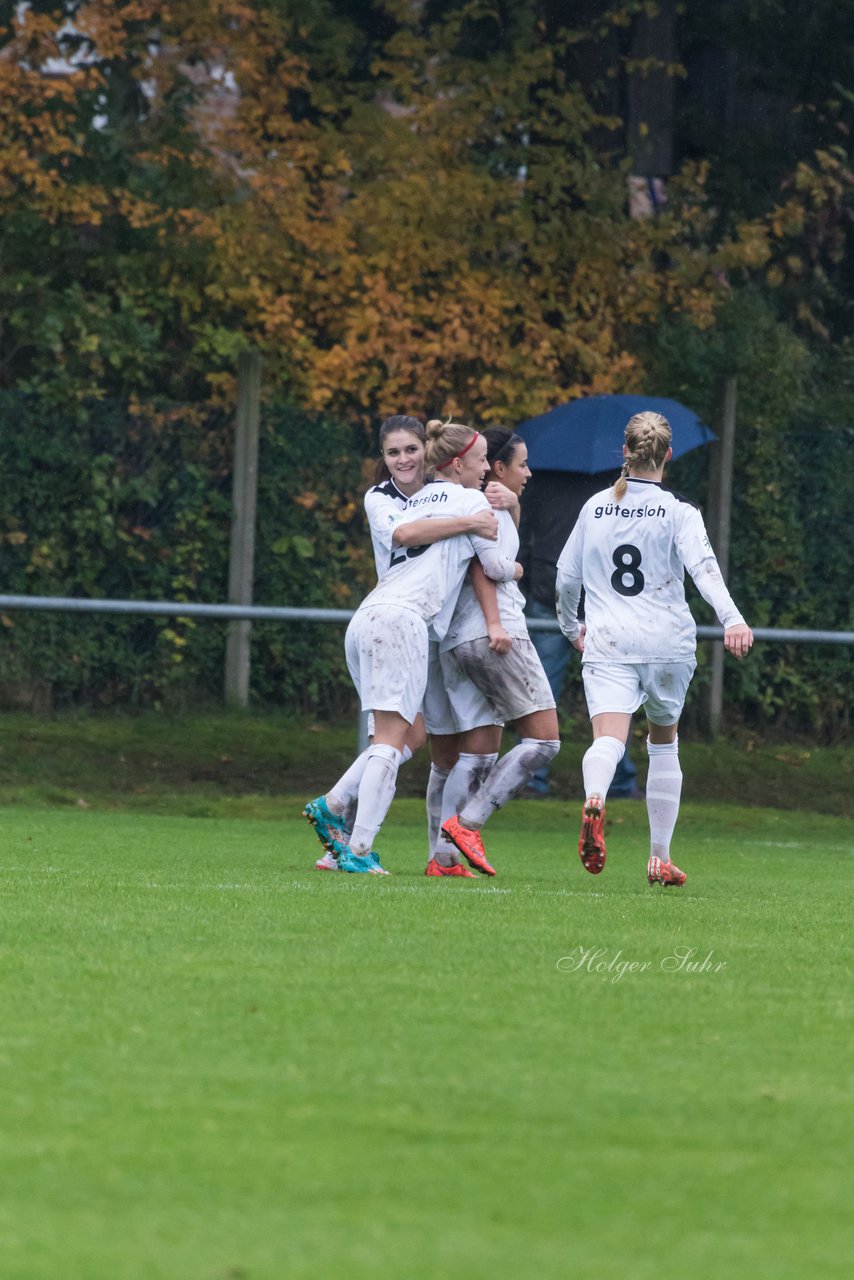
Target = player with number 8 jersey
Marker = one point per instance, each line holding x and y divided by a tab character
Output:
631	555
629	550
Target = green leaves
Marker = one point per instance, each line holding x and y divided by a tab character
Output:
295	545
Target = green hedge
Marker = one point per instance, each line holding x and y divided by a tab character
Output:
107	504
792	537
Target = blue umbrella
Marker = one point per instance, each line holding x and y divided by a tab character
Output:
587	435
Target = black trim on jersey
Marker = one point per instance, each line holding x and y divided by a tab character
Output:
657	484
680	497
390	489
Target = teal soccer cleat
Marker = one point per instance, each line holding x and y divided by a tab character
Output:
367	865
328	826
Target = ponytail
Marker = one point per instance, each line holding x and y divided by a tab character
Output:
648	437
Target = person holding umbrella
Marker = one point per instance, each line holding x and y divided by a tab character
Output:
629	550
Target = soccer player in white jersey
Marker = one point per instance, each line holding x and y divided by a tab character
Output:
629	550
487	644
383	505
399	474
387	640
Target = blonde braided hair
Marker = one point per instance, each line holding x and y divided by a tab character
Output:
648	438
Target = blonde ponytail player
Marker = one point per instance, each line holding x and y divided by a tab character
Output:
629	550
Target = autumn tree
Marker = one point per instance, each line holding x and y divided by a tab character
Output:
403	206
406	206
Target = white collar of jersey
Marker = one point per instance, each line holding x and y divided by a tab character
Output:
656	484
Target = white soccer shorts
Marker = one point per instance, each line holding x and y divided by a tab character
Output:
453	709
510	684
386	651
659	687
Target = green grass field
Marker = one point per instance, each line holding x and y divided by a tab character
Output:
218	1064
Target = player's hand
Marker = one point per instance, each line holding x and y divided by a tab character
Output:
519	571
499	641
484	525
500	497
738	640
578	642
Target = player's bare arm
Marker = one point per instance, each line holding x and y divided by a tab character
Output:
487	597
503	499
421	533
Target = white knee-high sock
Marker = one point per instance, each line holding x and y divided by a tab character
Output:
346	789
466	778
435	790
376	792
663	793
599	765
513	772
343	798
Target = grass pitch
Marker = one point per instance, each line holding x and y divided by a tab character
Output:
218	1064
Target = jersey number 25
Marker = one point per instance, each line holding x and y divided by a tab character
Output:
409	554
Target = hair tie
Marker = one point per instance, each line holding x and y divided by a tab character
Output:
440	466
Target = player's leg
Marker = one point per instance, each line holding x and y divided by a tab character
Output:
376	789
436	782
478	754
539	744
441	724
332	815
416	736
598	766
517	688
387	656
511	686
666	685
613	694
480	740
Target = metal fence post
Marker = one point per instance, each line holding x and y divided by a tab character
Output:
720	493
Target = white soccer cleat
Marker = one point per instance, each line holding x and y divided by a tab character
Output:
327	863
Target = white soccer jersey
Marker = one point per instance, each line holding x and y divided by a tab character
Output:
630	556
384	506
468	622
427	579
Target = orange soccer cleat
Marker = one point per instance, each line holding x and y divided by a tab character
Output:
435	868
658	872
591	842
469	844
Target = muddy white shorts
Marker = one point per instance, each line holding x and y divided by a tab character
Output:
512	684
444	714
658	687
386	651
